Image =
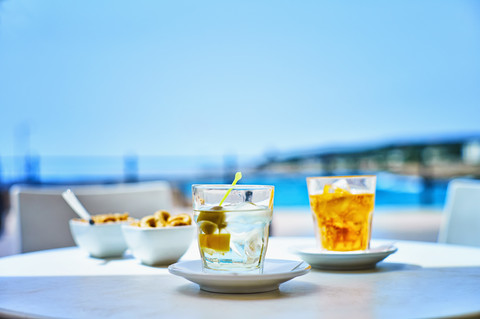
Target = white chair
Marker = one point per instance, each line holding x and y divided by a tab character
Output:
461	223
42	214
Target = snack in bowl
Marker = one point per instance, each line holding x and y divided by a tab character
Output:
103	238
163	218
110	218
159	239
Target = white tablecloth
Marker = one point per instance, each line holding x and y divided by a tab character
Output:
419	280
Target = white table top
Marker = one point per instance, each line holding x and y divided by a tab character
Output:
419	280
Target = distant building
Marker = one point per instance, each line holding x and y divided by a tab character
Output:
471	152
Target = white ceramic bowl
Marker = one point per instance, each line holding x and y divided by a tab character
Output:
158	246
99	240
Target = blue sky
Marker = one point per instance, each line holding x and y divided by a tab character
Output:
233	77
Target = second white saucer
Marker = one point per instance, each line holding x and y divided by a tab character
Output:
354	260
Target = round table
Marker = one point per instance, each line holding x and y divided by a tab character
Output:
419	280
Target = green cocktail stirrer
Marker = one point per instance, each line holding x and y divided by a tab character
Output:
238	176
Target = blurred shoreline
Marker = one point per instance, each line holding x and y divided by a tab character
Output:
411	173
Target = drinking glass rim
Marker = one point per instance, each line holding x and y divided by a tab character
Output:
228	186
341	177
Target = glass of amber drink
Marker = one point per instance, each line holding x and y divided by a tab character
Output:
342	209
233	237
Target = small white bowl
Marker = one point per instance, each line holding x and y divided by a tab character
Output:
99	240
158	246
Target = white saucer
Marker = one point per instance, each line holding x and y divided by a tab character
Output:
354	260
275	272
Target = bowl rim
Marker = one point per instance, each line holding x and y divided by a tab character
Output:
168	228
78	221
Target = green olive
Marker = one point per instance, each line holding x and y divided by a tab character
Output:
208	227
215	216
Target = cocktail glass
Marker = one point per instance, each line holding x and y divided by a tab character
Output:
233	237
342	209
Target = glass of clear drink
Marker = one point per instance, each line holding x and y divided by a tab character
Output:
342	209
233	237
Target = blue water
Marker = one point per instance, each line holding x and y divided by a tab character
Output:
291	190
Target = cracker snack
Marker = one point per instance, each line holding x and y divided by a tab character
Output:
163	218
110	218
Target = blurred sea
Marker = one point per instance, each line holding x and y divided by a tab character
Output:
290	189
391	191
